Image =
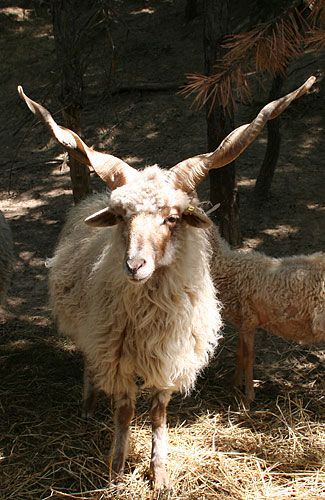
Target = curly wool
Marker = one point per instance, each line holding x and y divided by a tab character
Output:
140	197
285	296
163	331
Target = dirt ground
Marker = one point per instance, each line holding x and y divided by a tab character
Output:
45	448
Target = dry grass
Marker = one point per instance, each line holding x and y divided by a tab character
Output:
217	448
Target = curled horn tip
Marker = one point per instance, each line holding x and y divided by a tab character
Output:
311	80
21	92
309	83
31	104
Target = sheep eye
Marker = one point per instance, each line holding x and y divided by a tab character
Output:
172	219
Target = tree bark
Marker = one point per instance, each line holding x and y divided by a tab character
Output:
266	173
68	34
190	10
220	122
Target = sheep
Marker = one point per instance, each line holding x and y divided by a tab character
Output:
6	257
130	279
284	296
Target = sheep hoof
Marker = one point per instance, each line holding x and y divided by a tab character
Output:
87	415
247	400
116	465
88	408
250	395
162	493
87	412
159	481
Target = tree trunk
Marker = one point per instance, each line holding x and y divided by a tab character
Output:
67	34
266	173
190	10
223	188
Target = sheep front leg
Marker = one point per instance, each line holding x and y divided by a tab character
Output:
158	462
124	411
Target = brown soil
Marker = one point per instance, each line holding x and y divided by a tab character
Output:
40	372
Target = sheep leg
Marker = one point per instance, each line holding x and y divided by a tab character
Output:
158	462
124	411
239	372
248	357
89	396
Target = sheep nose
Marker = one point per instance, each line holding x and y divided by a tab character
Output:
133	265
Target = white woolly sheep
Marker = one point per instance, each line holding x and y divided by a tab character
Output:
284	296
6	257
133	286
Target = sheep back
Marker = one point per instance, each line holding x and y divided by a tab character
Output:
285	296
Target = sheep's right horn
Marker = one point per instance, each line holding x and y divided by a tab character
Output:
114	171
187	174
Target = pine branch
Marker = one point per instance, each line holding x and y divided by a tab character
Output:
266	49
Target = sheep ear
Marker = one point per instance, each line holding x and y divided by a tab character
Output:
196	217
102	218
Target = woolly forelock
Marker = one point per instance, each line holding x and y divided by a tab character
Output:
150	193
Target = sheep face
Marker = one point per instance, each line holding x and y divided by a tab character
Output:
151	216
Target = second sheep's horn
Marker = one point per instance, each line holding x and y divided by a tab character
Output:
189	173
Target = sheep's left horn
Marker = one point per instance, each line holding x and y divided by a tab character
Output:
114	171
187	174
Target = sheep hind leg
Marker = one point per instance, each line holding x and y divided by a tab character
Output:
89	396
238	379
124	411
158	461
